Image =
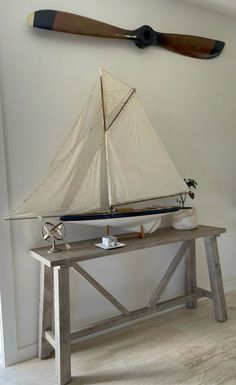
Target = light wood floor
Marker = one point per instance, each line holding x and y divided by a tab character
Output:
184	347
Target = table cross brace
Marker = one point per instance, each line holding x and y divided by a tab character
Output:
134	316
169	273
88	278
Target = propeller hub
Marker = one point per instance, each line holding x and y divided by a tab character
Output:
145	36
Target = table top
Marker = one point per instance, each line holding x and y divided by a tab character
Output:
85	250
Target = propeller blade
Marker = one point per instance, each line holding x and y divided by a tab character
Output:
76	24
193	46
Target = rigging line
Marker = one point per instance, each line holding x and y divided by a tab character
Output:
106	73
133	91
115	101
148	199
118	90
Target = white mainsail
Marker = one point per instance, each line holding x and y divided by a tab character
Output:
111	156
139	165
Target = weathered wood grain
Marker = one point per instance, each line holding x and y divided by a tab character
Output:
190	273
45	310
100	288
85	250
169	273
205	293
50	337
62	325
215	276
136	314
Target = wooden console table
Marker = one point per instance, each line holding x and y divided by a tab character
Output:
54	288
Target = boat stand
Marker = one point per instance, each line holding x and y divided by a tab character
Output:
141	234
54	324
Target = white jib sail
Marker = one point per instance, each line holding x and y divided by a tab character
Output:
48	198
88	197
70	169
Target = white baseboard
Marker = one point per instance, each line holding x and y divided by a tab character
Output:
28	352
230	286
23	354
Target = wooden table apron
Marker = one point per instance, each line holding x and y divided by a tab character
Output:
54	311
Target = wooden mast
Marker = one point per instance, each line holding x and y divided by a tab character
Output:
103	106
104	134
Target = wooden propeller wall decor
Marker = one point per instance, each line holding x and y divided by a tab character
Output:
193	46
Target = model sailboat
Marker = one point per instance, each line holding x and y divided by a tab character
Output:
111	158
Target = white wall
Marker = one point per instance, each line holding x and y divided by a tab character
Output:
1	344
45	80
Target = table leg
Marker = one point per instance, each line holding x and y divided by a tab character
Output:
45	310
215	276
62	325
190	273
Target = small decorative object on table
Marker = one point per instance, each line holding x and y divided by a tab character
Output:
109	242
186	219
52	232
